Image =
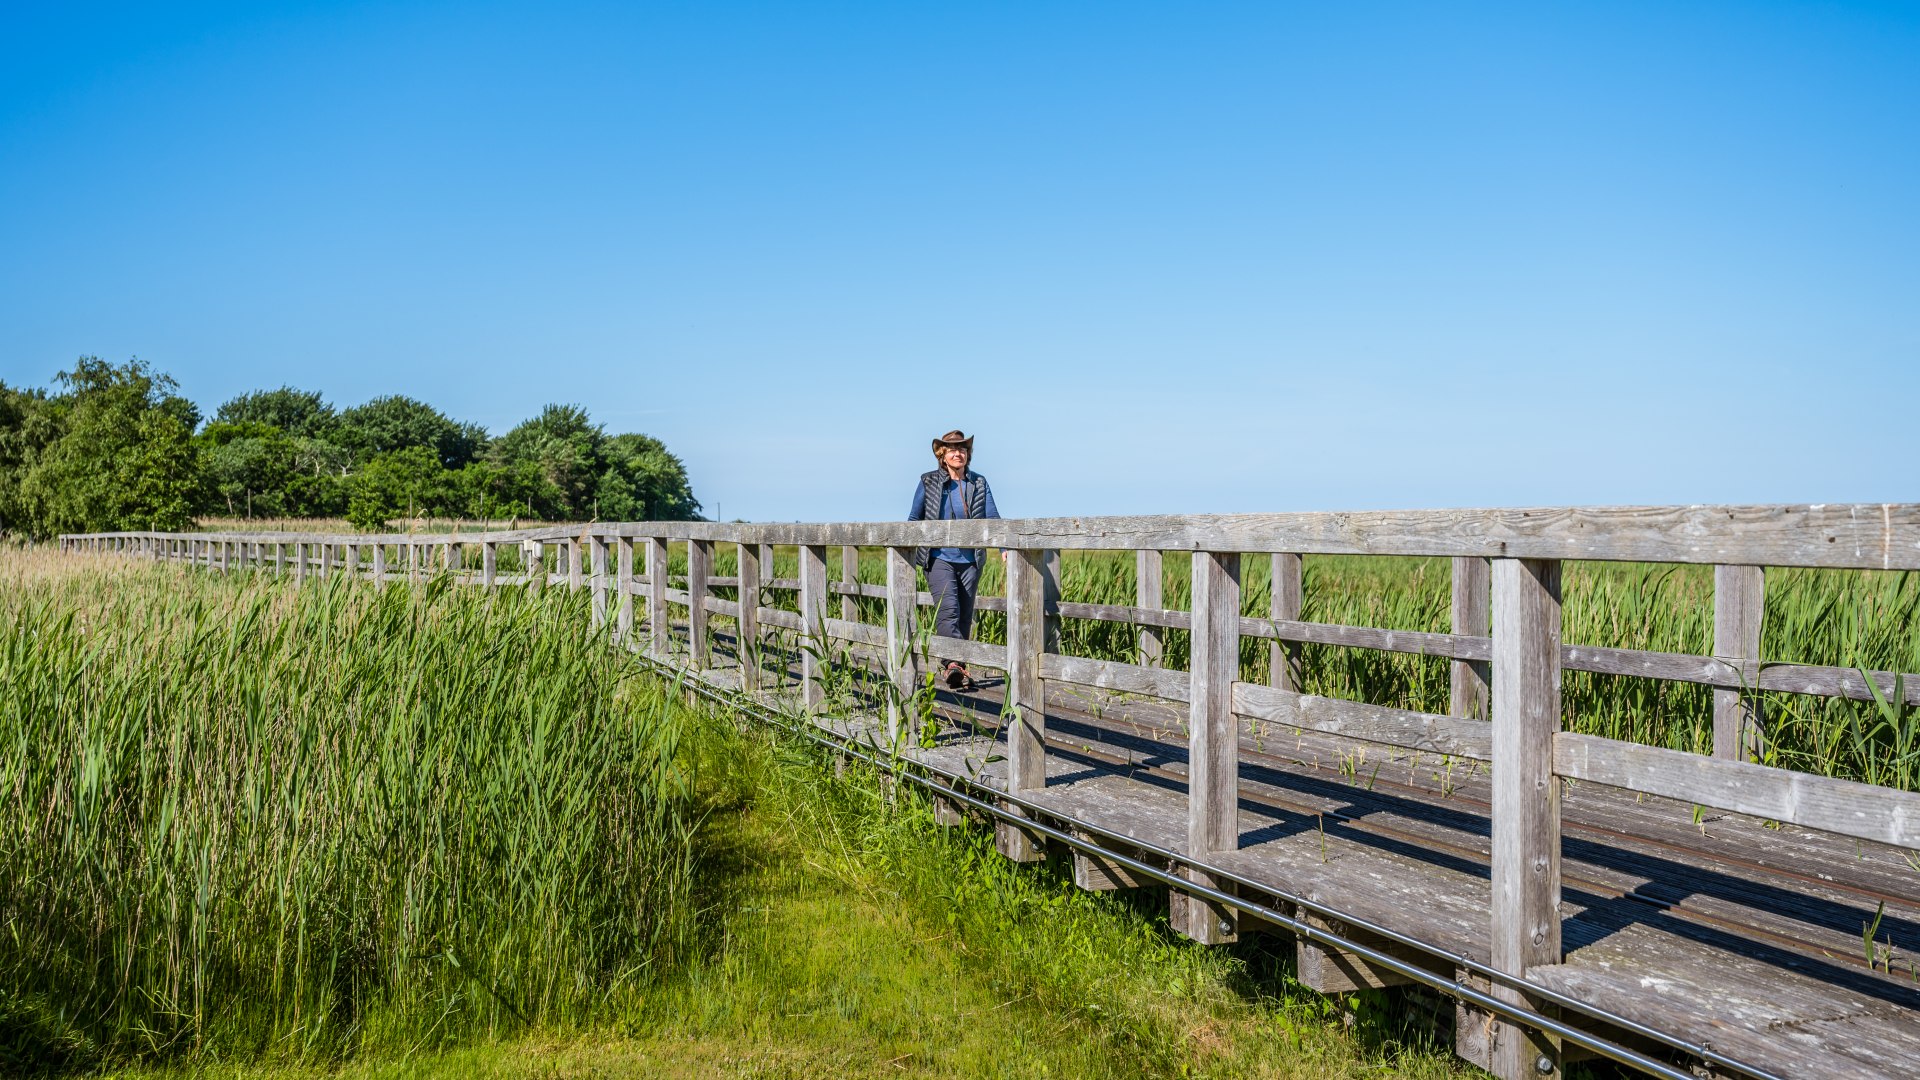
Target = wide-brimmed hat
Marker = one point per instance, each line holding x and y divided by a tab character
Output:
956	437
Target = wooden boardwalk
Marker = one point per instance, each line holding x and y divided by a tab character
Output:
1683	914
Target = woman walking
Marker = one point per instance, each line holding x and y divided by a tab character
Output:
952	491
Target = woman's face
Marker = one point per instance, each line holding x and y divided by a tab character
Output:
954	457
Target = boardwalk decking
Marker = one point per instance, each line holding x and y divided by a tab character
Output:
1684	914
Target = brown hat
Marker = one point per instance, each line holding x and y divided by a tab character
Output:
956	437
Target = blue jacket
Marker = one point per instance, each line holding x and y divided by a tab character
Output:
938	497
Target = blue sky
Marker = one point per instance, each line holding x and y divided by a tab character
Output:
1161	258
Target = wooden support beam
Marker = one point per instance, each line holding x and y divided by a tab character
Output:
813	624
1283	658
659	625
1213	754
489	563
1739	608
598	608
1333	970
747	636
849	574
1469	679
1096	873
299	562
699	570
903	583
576	572
1149	594
1526	796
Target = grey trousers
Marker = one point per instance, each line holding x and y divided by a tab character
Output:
953	586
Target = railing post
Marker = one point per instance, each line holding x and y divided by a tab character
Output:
699	569
747	625
1739	608
598	547
1468	679
1148	592
380	564
533	557
1283	657
1213	753
1025	715
623	582
489	563
326	559
903	584
813	623
456	556
849	575
1526	796
574	570
659	629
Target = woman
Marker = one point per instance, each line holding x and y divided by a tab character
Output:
953	574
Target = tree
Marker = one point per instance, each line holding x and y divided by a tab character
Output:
562	446
393	423
641	481
299	413
26	428
121	455
247	466
404	483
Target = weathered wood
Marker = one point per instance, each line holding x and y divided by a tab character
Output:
1739	604
850	575
747	640
1469	679
1526	796
699	568
1283	660
1026	720
967	652
574	560
1111	675
1213	746
659	625
1867	536
1330	969
813	615
533	562
299	562
1430	732
598	610
1846	807
902	672
489	563
379	563
1149	593
1096	873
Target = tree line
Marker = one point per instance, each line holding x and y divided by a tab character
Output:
115	447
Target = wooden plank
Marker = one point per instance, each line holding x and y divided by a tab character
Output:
1469	679
902	672
1357	720
1096	873
1525	795
659	625
1846	807
1283	660
863	633
1111	675
1333	970
813	618
1149	593
973	653
598	609
1026	659
1739	604
748	639
699	568
1213	735
849	574
1880	536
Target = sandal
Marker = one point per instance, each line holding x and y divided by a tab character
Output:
956	676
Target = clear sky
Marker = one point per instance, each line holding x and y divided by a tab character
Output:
1161	258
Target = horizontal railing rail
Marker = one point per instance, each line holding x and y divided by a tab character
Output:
1505	650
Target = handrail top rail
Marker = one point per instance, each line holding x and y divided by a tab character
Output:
1870	536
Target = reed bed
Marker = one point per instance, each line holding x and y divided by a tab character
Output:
239	819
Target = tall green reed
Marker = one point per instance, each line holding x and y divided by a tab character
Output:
238	818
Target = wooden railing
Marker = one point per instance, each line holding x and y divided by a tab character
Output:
1506	649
